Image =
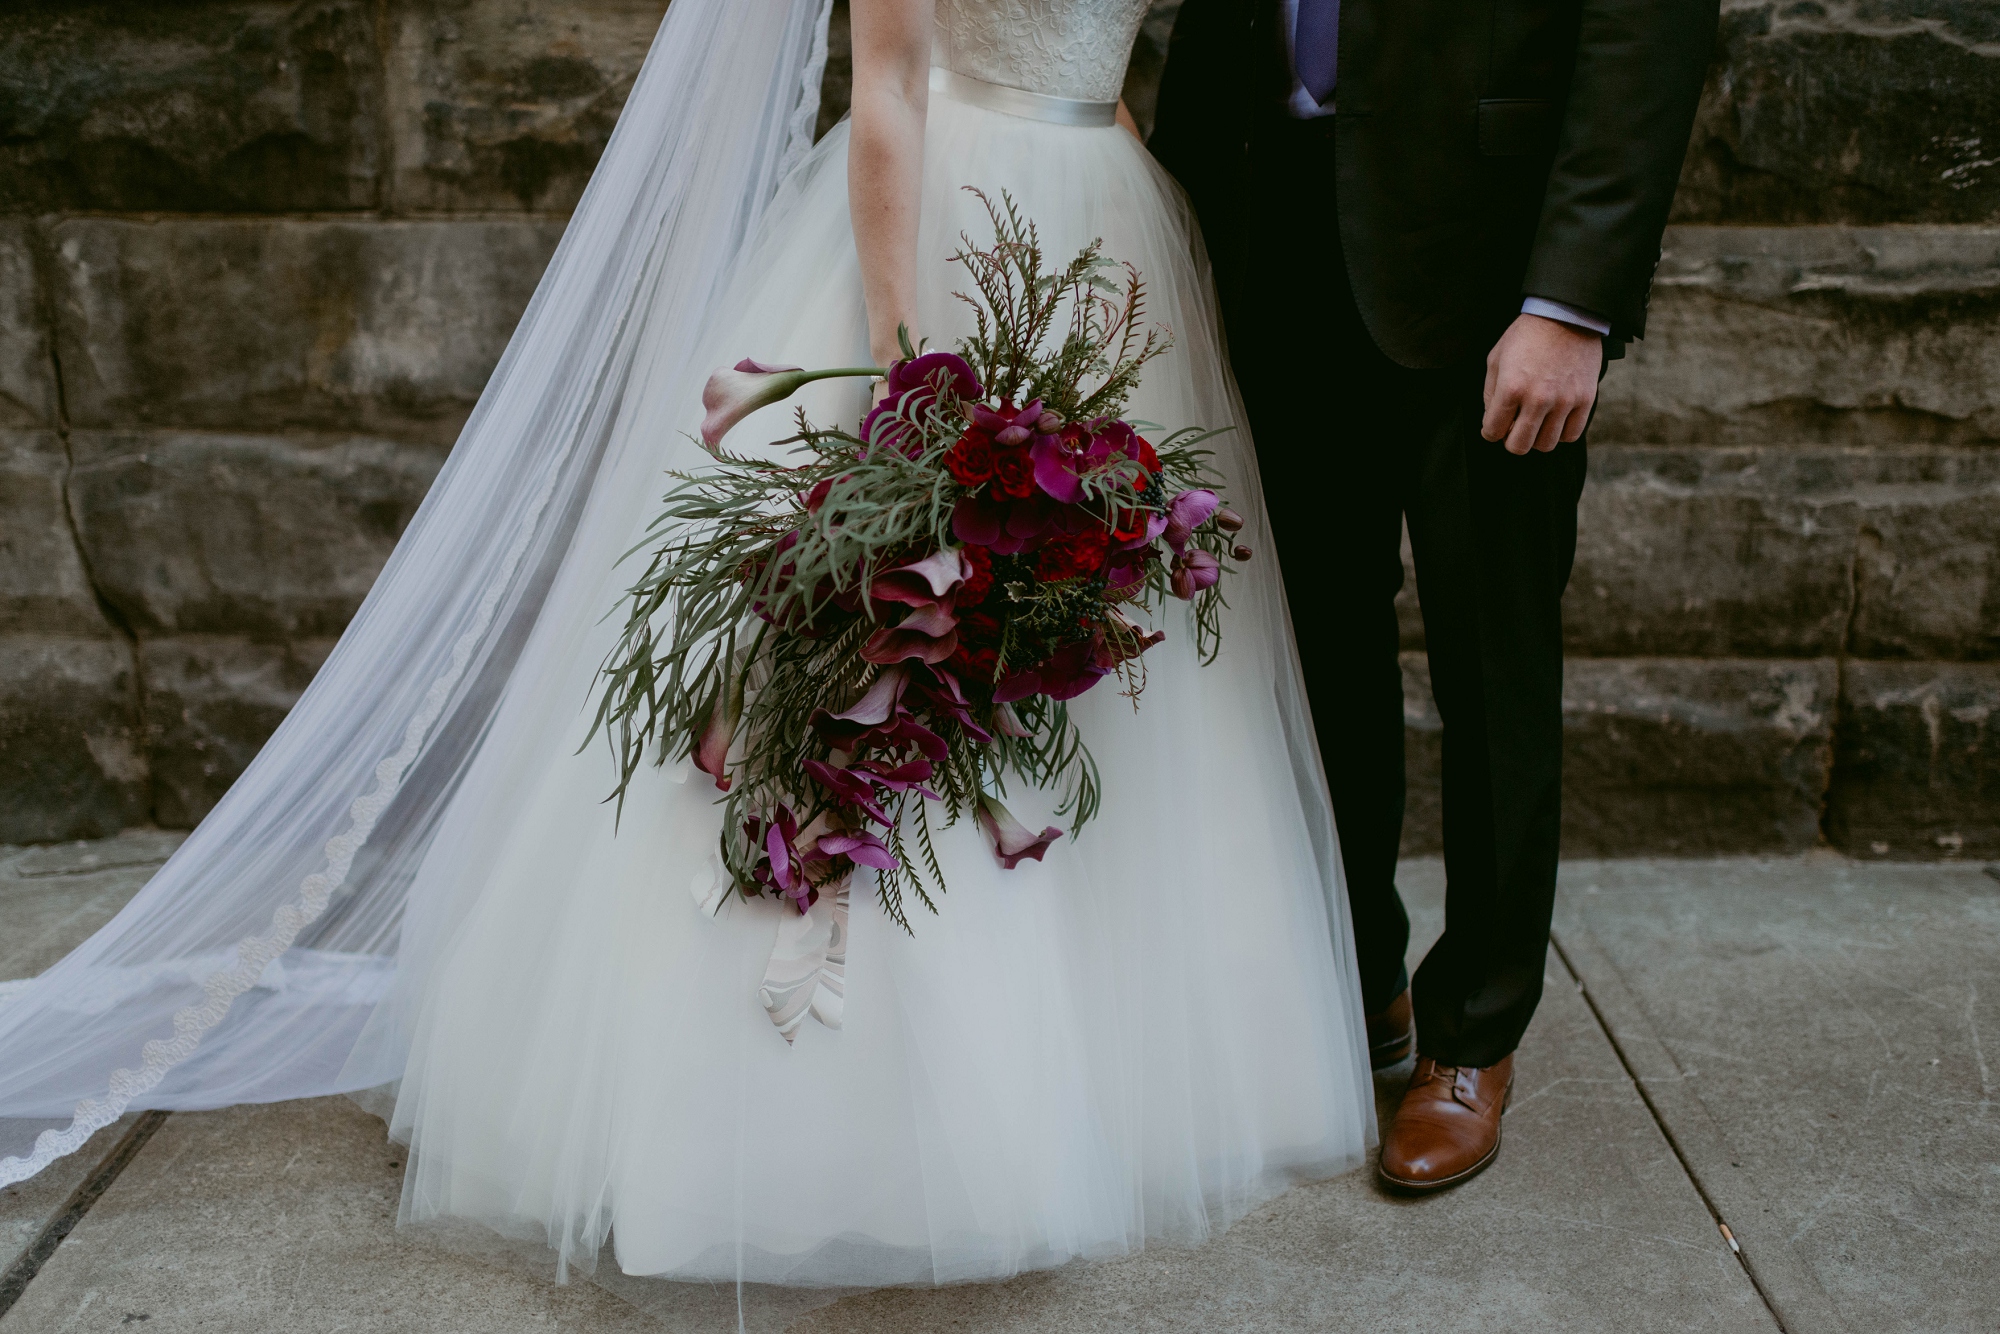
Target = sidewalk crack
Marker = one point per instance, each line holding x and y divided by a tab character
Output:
1673	1142
18	1275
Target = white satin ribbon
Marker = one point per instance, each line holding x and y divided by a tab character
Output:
1020	102
808	969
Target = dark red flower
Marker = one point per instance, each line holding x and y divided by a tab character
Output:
973	590
1073	555
971	459
1013	474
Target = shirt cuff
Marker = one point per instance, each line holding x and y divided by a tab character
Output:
1556	310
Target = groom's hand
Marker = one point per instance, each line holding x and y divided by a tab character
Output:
1541	378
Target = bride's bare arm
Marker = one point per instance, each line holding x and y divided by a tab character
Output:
885	159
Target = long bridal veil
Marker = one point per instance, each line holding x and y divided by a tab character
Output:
247	969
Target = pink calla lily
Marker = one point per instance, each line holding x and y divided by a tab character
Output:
923	582
876	709
928	634
1008	723
1130	642
1011	840
735	392
711	744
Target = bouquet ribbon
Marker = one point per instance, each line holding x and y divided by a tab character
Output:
807	973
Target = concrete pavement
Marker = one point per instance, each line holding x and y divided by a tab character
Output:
1797	1046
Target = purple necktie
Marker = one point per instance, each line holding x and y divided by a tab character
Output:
1316	46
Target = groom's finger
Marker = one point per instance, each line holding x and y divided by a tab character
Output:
1552	428
1527	426
1579	417
1501	408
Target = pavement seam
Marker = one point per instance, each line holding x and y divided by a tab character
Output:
15	1280
1790	1290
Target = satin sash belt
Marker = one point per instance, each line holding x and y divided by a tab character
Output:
1020	102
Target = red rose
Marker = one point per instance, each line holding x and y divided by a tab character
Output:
975	664
1013	475
1147	458
973	590
971	459
1073	555
978	653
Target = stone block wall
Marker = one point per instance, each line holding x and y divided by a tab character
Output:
257	257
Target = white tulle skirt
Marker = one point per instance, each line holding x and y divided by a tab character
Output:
1133	1041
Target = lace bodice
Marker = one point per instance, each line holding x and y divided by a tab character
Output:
1064	48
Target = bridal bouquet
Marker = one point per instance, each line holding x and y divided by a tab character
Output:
901	615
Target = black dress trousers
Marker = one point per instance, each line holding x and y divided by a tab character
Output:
1351	445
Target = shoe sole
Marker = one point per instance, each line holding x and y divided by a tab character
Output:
1442	1183
1445	1183
1392	1053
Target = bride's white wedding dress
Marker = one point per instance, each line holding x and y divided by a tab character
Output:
1137	1039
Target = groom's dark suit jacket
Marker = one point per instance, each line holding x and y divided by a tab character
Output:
1485	150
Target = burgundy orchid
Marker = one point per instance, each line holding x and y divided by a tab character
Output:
858	846
1011	841
978	522
908	776
945	695
849	787
1194	572
778	865
1008	427
1064	674
913	386
1186	512
1061	460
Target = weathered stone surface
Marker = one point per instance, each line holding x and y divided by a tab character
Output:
1690	551
71	761
212	106
244	325
211	702
1788	551
506	104
836	86
1662	755
1694	757
53	897
267	535
1848	111
43	587
1927	572
1827	334
1918	769
1423	759
27	378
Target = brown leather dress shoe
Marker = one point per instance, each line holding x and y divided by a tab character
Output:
1448	1128
1392	1032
